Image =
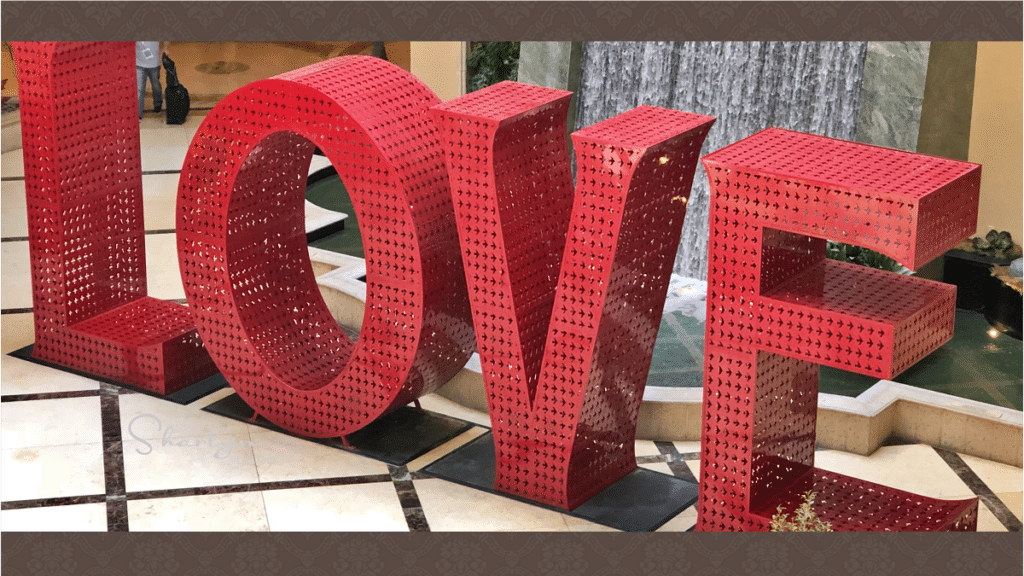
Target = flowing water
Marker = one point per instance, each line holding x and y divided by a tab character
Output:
807	86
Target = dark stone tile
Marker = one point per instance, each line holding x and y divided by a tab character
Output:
416	519
259	486
48	502
407	494
978	486
117	515
50	395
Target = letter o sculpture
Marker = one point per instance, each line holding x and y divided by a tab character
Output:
245	263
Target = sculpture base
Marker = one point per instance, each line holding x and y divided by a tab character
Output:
186	395
640	501
396	438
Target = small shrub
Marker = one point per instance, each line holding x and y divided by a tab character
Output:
804	519
861	256
995	245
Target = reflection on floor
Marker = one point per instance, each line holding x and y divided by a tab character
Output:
78	454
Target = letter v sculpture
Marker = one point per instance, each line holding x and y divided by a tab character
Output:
566	287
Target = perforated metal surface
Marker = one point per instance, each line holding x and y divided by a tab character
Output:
83	185
244	259
566	288
777	309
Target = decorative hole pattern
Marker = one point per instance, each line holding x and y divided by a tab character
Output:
777	309
245	263
566	286
83	186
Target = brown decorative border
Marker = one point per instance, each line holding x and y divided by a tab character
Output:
64	554
309	21
468	554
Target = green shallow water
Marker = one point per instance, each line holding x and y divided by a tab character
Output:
973	365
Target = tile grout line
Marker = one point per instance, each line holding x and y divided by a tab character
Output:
407	497
980	489
677	464
113	459
675	461
257	487
51	502
144	173
151	232
197	491
50	395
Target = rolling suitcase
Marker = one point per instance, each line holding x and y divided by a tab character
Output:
175	95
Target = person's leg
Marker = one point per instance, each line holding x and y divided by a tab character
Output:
140	81
154	82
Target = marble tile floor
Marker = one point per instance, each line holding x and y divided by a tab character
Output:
80	455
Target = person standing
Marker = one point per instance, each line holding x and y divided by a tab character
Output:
147	65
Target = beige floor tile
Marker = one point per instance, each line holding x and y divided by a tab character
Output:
446	448
694	466
1014	501
57	422
159	197
997	476
241	512
162	272
18	331
17	276
51	472
19	376
12	203
915	468
12	164
73	518
357	508
454	508
146	417
688	446
280	457
646	448
987	521
182	462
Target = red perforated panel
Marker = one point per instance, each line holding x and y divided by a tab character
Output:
245	263
777	308
83	185
566	289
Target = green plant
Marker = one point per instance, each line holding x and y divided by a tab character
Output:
861	256
995	245
491	62
804	518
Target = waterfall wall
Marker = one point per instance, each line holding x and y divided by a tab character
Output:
807	86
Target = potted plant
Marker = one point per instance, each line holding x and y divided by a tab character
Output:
1004	295
969	267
